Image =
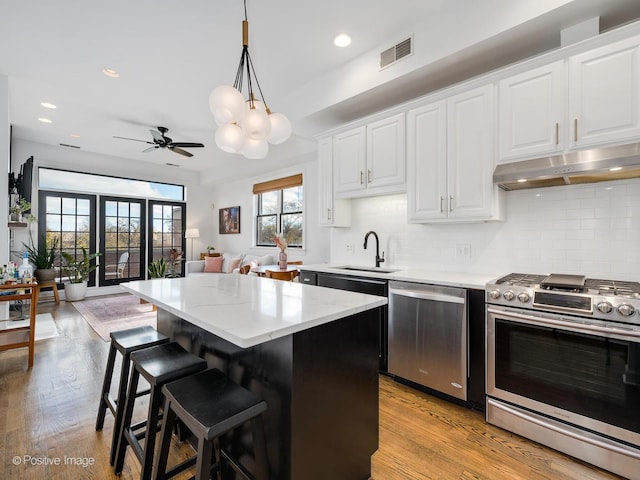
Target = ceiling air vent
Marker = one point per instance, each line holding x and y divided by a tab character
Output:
68	146
397	52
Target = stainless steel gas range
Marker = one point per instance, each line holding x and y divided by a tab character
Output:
563	365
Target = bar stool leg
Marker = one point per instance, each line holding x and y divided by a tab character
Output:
203	466
260	448
106	386
126	421
121	400
150	436
160	466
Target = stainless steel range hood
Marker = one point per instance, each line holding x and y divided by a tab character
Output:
585	166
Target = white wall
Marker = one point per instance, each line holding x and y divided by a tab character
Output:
4	162
240	193
579	229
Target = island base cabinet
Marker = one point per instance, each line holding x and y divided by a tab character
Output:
321	388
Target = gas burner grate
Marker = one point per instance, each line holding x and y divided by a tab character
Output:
614	287
521	279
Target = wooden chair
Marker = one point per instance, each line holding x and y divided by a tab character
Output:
297	262
245	269
281	275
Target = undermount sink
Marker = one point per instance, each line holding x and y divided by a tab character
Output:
367	269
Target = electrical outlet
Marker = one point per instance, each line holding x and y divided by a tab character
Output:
463	250
350	247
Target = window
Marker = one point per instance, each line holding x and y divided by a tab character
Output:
280	206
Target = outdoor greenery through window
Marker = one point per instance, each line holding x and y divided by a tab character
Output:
280	211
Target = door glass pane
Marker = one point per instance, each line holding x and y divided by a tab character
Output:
168	234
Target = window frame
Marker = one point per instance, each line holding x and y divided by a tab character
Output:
279	214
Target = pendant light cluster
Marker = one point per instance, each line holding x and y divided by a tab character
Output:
246	126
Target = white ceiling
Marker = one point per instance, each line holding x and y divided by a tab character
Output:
171	53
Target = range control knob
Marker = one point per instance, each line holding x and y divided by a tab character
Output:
509	295
605	307
523	297
626	310
495	294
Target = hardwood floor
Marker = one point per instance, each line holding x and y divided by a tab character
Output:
47	415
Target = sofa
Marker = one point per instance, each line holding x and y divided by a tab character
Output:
226	263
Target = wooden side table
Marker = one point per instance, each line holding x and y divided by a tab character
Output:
21	336
48	284
202	255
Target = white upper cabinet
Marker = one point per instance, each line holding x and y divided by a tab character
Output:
604	94
370	160
532	117
450	159
333	213
601	88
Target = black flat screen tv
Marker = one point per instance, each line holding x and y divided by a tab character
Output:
25	178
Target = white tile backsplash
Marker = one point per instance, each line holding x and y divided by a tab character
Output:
591	229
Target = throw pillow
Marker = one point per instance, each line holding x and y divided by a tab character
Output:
266	260
233	264
213	264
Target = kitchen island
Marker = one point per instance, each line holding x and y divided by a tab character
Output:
310	352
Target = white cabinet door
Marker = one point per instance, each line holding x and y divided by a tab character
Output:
386	152
532	118
427	162
349	160
333	213
604	94
470	148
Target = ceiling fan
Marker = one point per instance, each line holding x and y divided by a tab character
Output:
162	141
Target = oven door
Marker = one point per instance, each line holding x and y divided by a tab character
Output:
577	370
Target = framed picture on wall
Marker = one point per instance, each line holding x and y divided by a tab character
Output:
230	220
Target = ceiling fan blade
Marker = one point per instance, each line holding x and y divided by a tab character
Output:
149	149
186	144
157	136
180	151
134	139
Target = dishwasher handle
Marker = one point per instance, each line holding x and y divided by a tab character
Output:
426	295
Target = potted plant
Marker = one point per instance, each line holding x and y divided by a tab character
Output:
210	250
78	270
157	268
18	208
43	259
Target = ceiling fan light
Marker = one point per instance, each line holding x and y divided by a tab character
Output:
226	102
255	124
255	149
229	138
280	128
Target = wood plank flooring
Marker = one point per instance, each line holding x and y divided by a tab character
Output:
47	415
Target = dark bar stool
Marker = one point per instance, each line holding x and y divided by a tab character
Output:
126	342
158	365
210	405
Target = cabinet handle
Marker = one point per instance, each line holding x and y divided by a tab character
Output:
361	177
328	214
557	133
451	203
369	176
575	129
441	204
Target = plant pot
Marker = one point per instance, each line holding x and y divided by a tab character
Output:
45	274
75	291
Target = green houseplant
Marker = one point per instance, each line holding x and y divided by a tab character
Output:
43	258
78	270
157	268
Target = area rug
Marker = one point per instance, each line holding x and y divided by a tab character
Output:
45	327
115	312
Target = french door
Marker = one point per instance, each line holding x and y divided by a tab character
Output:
167	222
122	240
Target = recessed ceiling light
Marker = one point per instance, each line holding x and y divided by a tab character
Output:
48	105
110	72
342	40
615	169
522	180
74	135
45	120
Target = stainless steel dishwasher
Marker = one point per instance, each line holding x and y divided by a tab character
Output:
428	336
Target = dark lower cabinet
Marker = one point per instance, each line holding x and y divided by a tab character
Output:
476	339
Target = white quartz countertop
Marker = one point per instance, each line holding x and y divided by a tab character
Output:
247	310
434	277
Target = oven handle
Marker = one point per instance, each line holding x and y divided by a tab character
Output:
570	325
568	433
